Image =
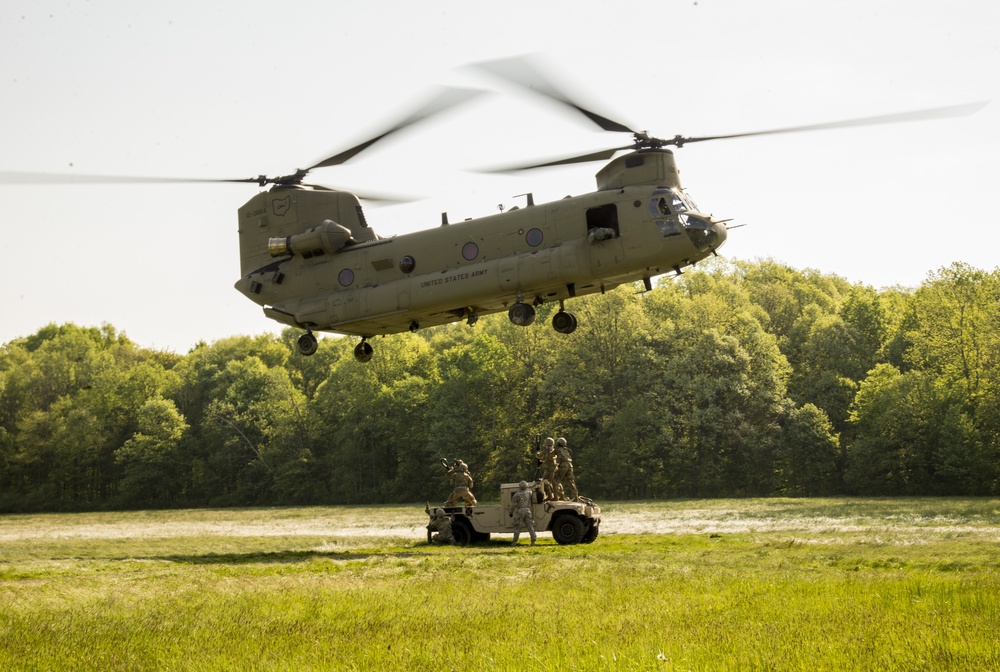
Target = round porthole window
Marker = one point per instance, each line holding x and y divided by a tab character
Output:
346	277
470	251
534	237
407	264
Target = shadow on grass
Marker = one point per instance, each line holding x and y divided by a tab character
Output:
288	557
279	557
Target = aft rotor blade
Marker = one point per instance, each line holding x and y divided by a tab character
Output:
522	72
445	99
899	117
79	178
74	178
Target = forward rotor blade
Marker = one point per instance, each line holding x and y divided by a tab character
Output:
445	99
899	117
601	155
522	72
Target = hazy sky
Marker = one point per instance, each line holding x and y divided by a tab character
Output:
236	89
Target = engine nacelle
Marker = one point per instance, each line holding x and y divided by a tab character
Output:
326	238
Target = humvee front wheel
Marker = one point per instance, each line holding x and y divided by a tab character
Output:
591	534
568	529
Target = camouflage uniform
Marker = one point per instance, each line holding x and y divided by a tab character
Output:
462	480
564	472
520	509
546	456
441	525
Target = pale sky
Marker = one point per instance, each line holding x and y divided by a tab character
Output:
236	89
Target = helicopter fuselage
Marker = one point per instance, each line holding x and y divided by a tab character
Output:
322	269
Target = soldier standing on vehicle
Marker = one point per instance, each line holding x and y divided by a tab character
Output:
546	456
520	509
462	480
564	472
440	525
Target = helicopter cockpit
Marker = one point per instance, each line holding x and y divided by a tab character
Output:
674	211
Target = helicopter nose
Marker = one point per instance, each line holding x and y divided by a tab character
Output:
706	233
720	232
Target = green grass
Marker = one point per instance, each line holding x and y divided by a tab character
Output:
735	585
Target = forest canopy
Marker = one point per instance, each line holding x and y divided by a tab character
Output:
737	379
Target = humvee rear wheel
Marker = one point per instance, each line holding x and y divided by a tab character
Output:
568	529
462	531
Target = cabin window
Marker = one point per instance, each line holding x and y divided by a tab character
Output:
470	251
346	277
407	264
534	237
603	217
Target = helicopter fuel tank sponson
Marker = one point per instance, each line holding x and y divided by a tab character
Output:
327	237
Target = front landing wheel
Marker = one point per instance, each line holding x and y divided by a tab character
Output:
363	351
307	344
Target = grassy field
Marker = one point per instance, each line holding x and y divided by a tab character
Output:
777	584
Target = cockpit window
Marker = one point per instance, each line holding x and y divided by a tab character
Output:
681	202
666	202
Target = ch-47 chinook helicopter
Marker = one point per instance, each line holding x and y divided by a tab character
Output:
310	259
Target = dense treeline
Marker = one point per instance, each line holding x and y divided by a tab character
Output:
742	379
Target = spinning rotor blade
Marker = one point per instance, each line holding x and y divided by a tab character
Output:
445	99
898	117
602	155
72	178
522	72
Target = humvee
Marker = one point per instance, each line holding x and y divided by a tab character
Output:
570	522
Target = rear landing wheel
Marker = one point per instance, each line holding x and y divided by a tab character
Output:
307	344
363	351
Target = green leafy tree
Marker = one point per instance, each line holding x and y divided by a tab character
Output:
150	459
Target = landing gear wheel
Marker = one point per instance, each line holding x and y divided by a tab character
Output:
563	322
363	351
307	344
568	529
521	314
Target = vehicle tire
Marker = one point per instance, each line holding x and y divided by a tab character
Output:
591	534
462	531
521	314
307	344
568	529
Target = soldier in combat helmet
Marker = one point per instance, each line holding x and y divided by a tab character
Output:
460	477
546	456
564	472
520	509
440	525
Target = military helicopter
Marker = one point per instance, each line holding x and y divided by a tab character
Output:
310	259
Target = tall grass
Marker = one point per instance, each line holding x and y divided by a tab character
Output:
799	585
